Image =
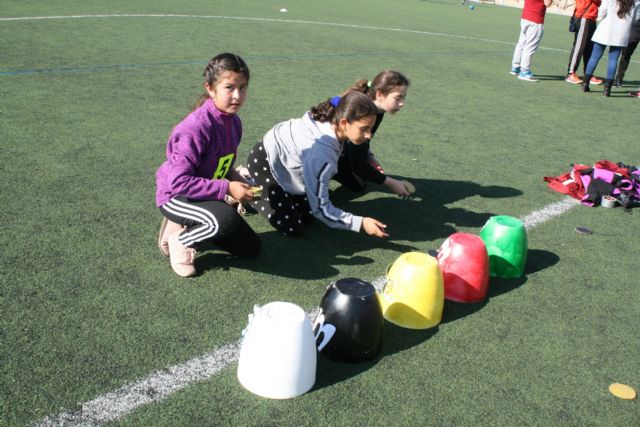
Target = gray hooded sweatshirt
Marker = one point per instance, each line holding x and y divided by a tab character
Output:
303	156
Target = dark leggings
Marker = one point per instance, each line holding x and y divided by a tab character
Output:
212	224
582	45
347	177
288	213
625	58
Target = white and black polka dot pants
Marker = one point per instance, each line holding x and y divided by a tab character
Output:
286	212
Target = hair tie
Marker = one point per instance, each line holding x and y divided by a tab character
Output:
335	101
369	83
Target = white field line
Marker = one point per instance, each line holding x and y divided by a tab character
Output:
116	404
290	21
242	18
155	387
550	211
161	384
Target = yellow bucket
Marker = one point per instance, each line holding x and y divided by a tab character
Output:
413	296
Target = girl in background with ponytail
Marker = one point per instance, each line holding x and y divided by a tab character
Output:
357	164
296	160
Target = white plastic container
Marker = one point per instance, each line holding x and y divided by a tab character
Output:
278	352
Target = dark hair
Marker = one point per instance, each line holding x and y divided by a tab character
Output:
218	65
624	7
353	106
385	81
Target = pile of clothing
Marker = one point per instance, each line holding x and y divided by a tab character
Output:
604	178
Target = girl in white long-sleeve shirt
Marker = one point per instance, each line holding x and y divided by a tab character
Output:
296	160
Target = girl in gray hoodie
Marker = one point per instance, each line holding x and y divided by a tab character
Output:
296	160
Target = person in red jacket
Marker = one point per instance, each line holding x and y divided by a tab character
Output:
531	30
587	12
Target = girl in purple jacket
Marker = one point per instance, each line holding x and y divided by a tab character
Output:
191	185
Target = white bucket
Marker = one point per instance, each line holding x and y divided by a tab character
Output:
278	352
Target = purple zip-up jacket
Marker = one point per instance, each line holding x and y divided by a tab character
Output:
200	151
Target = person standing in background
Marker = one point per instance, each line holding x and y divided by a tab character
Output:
627	52
586	11
531	31
613	31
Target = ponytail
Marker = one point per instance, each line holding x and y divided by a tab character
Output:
361	85
352	106
324	111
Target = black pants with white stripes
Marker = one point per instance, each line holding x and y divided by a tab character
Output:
212	224
582	45
288	213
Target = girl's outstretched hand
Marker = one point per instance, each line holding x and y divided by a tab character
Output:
397	186
373	227
240	191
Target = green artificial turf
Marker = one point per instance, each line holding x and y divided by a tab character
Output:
90	305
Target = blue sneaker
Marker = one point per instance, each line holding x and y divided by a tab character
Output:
515	71
527	76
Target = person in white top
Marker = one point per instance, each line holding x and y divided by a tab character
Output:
613	30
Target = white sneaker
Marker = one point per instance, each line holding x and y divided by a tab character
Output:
527	76
182	258
167	228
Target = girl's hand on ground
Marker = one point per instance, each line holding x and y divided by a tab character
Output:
240	191
397	186
373	227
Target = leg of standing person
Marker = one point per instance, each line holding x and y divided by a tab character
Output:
612	64
591	28
596	54
625	58
207	224
580	40
517	53
284	211
581	51
533	37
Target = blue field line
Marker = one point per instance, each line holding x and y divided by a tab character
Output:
239	18
95	68
288	58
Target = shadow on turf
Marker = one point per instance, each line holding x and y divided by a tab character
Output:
542	77
537	260
395	339
426	216
315	255
320	250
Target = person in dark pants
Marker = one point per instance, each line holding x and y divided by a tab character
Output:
627	52
357	165
613	31
587	12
